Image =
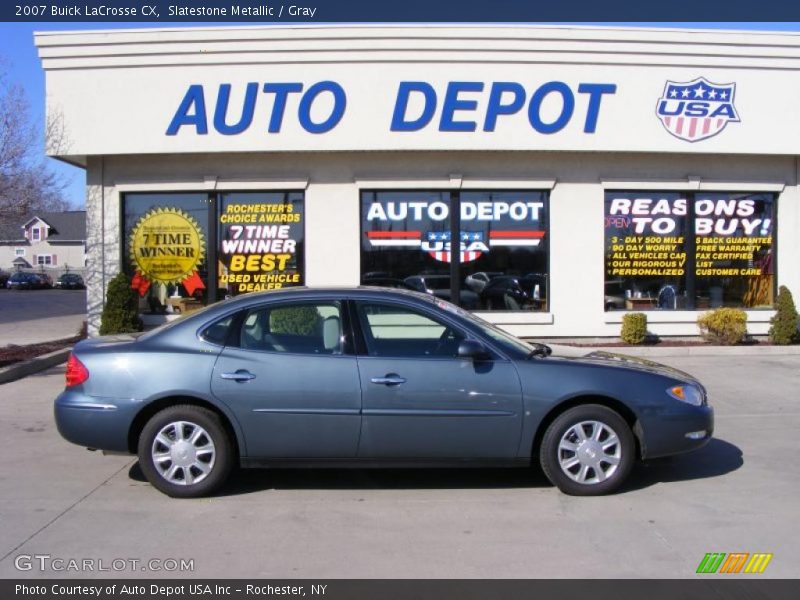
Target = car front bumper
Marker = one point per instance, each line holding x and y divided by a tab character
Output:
675	430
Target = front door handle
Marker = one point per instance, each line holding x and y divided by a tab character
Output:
241	376
390	379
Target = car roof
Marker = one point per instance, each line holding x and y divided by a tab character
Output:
253	299
350	291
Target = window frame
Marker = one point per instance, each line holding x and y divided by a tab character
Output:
454	200
360	320
212	221
692	195
234	336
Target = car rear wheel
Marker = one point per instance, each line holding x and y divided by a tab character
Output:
185	452
588	451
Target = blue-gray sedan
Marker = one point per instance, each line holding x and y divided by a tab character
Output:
368	377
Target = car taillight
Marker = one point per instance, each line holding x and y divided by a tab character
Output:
77	373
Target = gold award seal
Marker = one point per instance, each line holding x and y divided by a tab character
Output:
166	245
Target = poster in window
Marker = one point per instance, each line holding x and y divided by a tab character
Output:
260	241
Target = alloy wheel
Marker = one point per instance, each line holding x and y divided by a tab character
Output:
183	453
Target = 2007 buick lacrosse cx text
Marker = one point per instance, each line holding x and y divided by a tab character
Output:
368	377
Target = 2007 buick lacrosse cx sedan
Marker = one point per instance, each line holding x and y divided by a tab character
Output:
368	377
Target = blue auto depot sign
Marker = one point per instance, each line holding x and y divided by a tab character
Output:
417	106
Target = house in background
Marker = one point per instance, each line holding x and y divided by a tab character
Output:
51	241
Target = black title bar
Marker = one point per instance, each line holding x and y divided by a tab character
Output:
702	588
408	11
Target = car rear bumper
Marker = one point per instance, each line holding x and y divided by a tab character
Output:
97	423
676	430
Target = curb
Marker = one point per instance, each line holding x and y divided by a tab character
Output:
646	351
34	365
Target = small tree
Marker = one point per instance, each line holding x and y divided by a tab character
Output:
724	326
634	328
121	311
27	181
784	324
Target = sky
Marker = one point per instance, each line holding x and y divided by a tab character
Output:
22	63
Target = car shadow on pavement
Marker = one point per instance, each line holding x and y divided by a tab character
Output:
717	458
245	481
253	480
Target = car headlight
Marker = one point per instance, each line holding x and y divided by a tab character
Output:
689	394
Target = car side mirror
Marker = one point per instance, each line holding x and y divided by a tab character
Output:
473	349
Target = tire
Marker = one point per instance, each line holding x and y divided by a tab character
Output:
207	469
575	468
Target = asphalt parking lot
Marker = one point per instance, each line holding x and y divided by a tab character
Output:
33	316
26	305
739	494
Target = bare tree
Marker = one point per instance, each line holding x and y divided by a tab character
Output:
27	183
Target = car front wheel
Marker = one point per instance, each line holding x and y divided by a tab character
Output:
588	451
185	452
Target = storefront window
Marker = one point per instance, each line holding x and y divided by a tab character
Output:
672	251
260	241
501	261
734	260
166	249
178	244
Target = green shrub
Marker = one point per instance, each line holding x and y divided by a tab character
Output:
723	326
121	311
784	324
634	328
295	320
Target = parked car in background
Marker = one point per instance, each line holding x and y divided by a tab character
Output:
389	282
439	286
368	376
70	281
509	292
26	281
477	281
4	278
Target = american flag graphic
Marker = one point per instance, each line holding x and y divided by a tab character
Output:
698	109
438	243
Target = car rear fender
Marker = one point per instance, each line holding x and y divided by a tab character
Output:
155	405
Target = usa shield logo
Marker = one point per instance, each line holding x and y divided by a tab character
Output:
698	109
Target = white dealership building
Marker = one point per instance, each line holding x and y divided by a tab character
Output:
550	178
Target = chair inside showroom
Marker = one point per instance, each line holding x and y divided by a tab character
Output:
332	335
511	303
667	298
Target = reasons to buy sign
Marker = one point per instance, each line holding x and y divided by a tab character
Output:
166	246
648	236
259	244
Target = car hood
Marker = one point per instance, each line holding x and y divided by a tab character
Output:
624	361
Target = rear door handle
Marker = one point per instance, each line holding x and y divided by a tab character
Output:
390	379
241	376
